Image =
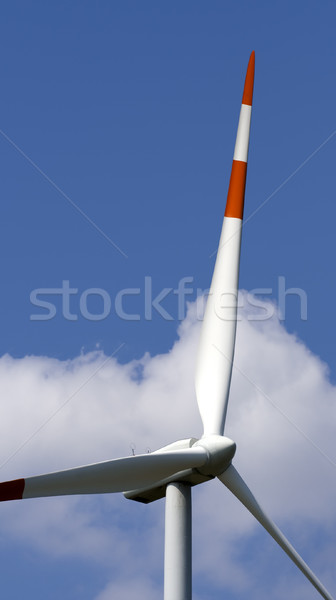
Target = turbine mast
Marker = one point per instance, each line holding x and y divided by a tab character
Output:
177	556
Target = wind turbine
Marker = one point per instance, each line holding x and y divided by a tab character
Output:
172	471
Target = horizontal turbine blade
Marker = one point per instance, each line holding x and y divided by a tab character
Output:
217	342
105	477
233	481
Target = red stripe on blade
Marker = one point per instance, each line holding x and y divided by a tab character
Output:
249	80
236	193
12	490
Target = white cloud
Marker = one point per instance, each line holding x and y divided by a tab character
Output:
115	408
139	588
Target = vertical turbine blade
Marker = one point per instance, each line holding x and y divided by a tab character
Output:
216	349
233	481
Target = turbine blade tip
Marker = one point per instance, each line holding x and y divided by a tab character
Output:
249	81
12	490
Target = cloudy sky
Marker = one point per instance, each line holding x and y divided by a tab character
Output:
116	138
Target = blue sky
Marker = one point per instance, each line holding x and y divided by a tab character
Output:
117	128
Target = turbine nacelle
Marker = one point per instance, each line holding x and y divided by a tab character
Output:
220	450
218	454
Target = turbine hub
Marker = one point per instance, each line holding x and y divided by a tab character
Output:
220	450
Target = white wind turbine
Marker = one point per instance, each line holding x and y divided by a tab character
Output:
174	469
